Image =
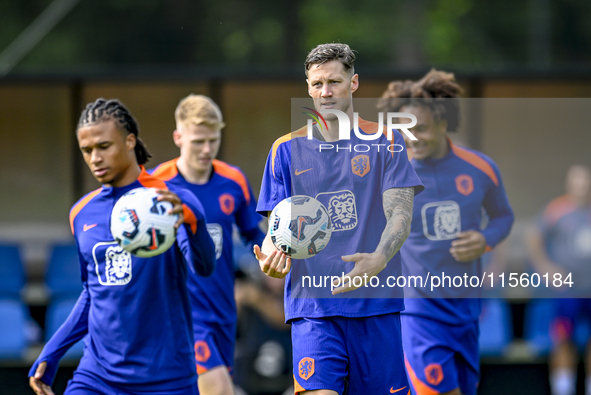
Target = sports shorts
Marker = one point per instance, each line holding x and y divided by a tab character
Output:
214	345
440	357
349	355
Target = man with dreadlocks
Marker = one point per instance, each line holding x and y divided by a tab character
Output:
139	330
440	330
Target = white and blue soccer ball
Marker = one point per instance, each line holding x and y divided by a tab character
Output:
141	224
300	226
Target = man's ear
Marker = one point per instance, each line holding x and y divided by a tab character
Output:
176	137
130	141
354	83
308	85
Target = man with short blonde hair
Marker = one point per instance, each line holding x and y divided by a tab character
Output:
227	198
199	109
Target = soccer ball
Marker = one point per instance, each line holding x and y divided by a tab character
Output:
300	226
141	224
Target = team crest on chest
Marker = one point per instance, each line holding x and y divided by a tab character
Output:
217	235
341	209
360	165
227	203
441	220
582	242
464	184
112	263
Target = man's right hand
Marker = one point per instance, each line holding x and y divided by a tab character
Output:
35	382
277	264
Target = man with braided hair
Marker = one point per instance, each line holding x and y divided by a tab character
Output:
440	330
138	324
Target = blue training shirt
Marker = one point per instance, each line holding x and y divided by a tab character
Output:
136	311
228	199
457	188
566	231
350	182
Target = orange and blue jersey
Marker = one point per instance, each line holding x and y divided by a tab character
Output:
565	227
228	199
136	311
457	189
566	231
349	181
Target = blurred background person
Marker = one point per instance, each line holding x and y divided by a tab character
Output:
560	244
228	200
440	330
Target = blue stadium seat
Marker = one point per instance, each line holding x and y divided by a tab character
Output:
63	272
12	273
536	324
57	312
495	327
12	329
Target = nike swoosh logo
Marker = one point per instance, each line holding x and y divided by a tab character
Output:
86	227
300	222
154	240
392	390
297	173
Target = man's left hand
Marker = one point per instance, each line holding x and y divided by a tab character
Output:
177	204
366	267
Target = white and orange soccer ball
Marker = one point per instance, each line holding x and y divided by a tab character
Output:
141	224
300	226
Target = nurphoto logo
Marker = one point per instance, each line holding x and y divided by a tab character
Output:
345	129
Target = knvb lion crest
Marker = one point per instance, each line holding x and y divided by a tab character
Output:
447	222
441	220
217	235
113	264
342	211
306	368
582	243
360	165
118	265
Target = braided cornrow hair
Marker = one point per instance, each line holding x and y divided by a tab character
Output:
437	90
102	110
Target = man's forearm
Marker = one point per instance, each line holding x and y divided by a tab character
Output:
398	203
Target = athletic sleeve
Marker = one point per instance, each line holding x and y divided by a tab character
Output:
276	183
247	219
71	331
398	171
498	210
193	238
